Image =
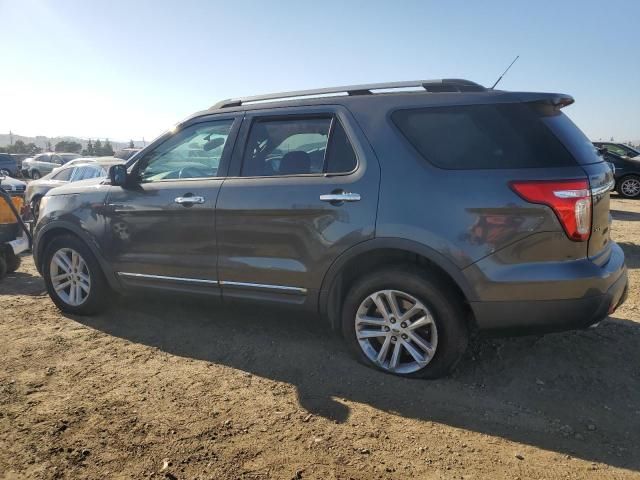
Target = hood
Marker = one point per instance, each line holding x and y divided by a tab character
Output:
91	185
12	184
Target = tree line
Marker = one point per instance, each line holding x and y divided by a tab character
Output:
93	149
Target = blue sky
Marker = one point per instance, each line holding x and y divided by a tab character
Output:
128	69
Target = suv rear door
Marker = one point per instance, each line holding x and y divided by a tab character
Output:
302	190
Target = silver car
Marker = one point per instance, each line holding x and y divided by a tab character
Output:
73	171
44	163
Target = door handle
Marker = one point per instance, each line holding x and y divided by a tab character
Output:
340	197
189	200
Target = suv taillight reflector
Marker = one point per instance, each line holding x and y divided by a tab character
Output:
569	199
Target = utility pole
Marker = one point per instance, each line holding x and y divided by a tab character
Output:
10	137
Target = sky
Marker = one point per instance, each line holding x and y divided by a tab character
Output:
131	69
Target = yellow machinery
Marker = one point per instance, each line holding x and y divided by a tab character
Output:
15	236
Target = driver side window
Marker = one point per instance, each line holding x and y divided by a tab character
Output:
193	152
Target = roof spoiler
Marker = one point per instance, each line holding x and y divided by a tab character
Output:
556	100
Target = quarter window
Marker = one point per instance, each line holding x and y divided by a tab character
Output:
482	136
297	146
194	152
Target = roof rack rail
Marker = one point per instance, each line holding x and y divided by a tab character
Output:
443	85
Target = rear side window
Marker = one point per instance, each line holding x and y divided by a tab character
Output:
64	175
297	146
482	137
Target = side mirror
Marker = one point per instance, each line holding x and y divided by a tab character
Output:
118	175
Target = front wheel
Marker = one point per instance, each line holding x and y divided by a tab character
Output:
35	175
629	187
405	322
4	172
73	277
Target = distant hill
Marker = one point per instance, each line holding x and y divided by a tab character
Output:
41	141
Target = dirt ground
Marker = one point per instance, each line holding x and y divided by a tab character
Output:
179	388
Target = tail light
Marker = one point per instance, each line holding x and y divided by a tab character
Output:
569	199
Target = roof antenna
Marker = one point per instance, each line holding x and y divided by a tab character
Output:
505	72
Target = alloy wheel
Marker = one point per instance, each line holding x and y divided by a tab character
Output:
396	331
630	187
70	276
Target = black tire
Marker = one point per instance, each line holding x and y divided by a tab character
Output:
627	192
3	266
35	175
35	208
5	172
12	260
99	291
446	307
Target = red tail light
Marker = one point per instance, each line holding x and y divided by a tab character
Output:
569	199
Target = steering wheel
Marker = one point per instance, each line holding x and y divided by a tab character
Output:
192	172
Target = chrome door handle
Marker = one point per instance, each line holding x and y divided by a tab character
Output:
189	200
340	197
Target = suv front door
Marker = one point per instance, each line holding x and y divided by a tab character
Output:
303	190
161	228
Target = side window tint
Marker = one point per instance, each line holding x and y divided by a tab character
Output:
64	175
340	157
286	147
483	136
193	152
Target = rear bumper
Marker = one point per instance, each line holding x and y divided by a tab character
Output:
608	292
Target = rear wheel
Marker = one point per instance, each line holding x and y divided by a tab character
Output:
405	322
13	261
73	277
3	266
629	187
5	172
35	207
35	174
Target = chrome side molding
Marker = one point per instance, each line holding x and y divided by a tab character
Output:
263	286
283	288
163	277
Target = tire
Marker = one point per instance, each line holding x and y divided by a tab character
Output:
629	186
445	331
5	172
98	290
12	260
3	266
35	175
35	208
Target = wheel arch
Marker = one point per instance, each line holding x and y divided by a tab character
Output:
50	231
375	253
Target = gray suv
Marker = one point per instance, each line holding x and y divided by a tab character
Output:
407	214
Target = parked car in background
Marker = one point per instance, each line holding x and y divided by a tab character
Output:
13	185
359	205
626	172
619	149
126	153
44	163
8	165
75	170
